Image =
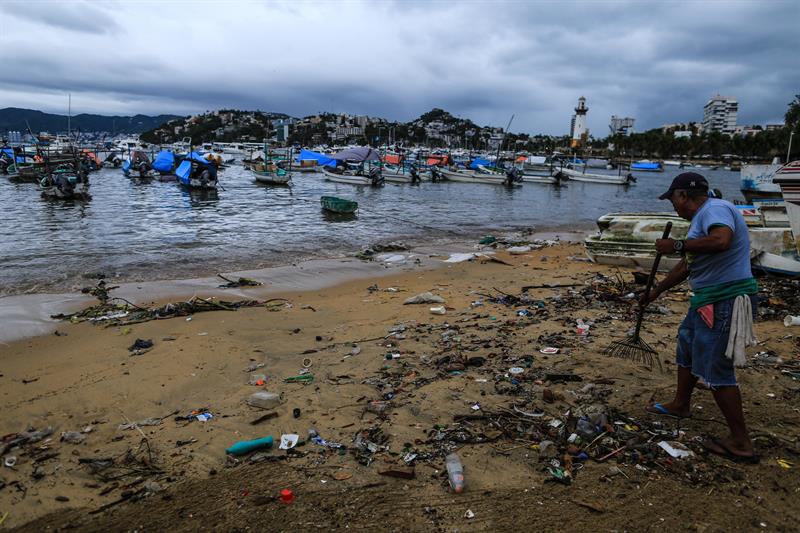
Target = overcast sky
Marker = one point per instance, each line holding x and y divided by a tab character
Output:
656	61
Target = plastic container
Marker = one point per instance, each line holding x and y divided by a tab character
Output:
264	400
246	446
287	496
455	472
791	321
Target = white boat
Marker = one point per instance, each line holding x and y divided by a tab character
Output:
576	175
756	181
394	174
628	239
471	176
352	179
530	177
672	163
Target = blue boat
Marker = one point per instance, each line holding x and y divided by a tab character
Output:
164	163
137	165
197	172
647	166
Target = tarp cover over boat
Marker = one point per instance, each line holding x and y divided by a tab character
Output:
479	162
185	168
164	161
645	165
10	153
321	159
361	153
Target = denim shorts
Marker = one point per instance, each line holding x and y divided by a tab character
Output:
702	349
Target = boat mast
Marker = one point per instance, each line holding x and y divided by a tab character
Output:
69	116
497	158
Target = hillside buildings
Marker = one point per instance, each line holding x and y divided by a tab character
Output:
620	125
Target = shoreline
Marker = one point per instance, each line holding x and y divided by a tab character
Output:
28	314
275	258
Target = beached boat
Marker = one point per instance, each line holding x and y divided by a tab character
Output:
628	239
647	166
789	183
610	179
197	172
337	205
756	181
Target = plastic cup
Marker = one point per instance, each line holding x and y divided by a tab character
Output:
287	496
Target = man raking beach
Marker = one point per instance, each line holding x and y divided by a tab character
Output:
719	324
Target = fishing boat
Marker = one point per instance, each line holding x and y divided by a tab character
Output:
757	180
540	177
628	239
197	172
165	164
402	174
610	179
65	183
460	175
337	205
353	176
647	166
355	166
138	165
270	174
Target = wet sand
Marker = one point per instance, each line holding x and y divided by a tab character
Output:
85	378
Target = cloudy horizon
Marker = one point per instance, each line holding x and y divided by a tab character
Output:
658	62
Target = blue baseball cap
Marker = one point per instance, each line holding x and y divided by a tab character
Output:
686	181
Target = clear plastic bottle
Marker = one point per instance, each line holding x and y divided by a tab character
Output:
455	472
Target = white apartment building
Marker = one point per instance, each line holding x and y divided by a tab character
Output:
719	115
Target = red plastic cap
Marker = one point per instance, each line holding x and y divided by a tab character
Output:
287	496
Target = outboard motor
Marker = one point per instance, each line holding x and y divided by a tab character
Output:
631	178
143	169
375	176
435	175
4	165
414	174
63	184
512	176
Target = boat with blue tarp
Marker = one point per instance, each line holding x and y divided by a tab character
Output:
197	172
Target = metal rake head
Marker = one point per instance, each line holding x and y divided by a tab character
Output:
634	349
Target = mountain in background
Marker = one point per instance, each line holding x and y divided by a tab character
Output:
16	119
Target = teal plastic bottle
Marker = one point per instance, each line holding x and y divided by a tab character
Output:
246	446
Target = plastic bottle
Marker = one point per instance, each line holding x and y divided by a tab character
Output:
455	472
264	400
246	446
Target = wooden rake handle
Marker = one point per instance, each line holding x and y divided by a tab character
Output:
651	279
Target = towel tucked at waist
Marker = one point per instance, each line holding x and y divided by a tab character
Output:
741	335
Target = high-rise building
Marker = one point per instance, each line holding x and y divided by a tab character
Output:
579	131
719	115
620	125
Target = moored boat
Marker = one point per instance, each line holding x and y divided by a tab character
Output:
197	172
65	183
270	174
647	166
337	205
611	179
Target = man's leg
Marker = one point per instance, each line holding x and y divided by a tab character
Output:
681	404
729	400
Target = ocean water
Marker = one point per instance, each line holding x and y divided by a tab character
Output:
151	230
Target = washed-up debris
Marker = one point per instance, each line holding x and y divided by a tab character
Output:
140	346
241	282
288	441
676	449
73	437
109	310
140	423
246	446
424	298
314	437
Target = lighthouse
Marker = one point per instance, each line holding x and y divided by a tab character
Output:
579	131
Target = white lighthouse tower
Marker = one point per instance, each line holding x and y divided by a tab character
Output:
579	131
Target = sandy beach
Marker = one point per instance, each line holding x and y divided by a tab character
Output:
449	387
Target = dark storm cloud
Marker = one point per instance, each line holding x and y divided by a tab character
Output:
73	16
656	61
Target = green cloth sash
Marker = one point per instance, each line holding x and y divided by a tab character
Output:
723	291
